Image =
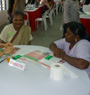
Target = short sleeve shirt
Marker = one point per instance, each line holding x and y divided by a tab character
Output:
80	50
8	33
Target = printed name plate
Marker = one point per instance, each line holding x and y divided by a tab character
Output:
17	64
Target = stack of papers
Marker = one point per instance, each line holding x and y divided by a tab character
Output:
40	57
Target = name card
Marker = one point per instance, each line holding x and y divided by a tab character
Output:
16	64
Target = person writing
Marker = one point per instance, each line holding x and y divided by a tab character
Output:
17	33
74	48
8	48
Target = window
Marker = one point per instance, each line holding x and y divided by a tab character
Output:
3	4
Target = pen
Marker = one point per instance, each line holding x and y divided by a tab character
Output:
2	60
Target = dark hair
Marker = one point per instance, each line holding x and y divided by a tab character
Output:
19	13
65	26
77	28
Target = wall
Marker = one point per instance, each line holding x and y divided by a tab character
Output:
3	17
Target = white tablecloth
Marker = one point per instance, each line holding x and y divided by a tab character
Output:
35	80
85	15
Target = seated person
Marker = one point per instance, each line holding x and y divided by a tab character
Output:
74	48
45	6
31	1
8	48
17	33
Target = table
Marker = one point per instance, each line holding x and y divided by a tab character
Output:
33	14
85	20
35	80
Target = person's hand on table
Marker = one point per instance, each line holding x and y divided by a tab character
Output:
9	50
8	45
58	53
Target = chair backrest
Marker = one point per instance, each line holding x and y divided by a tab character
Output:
51	12
57	5
45	14
50	8
25	13
27	18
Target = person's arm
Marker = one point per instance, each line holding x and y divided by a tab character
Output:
29	43
77	62
14	6
2	45
7	51
55	49
47	5
52	46
3	42
1	53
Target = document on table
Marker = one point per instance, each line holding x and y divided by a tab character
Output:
2	58
43	58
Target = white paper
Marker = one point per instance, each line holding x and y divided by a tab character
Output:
56	71
71	73
2	58
16	64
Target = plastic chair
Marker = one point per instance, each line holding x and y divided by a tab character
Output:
61	6
56	8
27	20
43	19
50	16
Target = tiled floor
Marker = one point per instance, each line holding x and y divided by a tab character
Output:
44	38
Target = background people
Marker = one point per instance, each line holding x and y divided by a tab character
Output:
10	8
45	7
19	5
71	8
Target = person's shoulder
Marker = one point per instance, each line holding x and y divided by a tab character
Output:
84	42
8	26
62	41
26	26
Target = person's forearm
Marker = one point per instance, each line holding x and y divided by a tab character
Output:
1	45
29	43
77	62
14	7
1	53
52	46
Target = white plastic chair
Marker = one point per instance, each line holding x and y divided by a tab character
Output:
27	20
56	8
50	16
42	19
61	6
